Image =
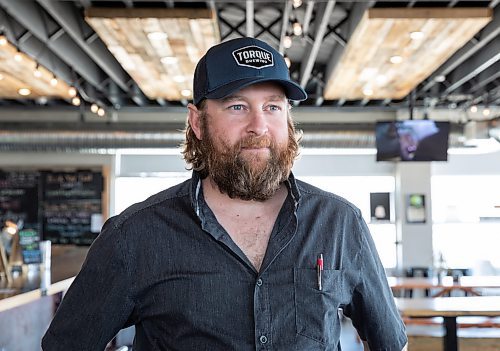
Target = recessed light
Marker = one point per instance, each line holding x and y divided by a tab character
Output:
440	78
186	92
53	81
396	59
24	91
157	36
76	101
367	91
288	62
3	41
416	35
297	28
473	109
287	42
72	91
169	60
101	112
179	79
18	57
94	108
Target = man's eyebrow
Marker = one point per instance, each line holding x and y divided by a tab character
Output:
277	97
232	98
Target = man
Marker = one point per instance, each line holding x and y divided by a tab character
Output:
242	256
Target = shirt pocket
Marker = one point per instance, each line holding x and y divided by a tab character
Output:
316	311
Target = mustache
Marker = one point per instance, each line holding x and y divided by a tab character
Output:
256	142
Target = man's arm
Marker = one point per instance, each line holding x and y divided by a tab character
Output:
96	305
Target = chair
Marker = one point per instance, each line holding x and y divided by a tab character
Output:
424	272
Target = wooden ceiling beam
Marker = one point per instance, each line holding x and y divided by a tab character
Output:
366	68
189	13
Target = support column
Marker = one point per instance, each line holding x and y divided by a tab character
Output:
414	224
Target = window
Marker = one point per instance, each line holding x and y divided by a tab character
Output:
466	229
129	190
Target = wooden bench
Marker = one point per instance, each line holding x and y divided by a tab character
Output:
474	334
462	322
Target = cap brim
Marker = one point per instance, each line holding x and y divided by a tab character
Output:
293	91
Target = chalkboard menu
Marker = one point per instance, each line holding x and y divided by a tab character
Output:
19	197
63	207
71	206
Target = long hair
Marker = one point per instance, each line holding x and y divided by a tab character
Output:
196	158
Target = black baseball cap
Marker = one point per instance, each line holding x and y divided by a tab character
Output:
238	63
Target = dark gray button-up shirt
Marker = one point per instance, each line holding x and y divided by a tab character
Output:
168	267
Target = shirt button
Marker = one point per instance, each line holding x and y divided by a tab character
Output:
259	282
263	339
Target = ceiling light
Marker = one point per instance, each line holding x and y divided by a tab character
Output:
37	73
417	35
169	60
186	92
1	76
473	109
24	91
381	79
287	42
367	91
101	112
396	59
18	57
157	36
297	28
486	112
72	91
297	3
3	40
94	108
76	101
53	81
287	61
179	79
440	78
42	100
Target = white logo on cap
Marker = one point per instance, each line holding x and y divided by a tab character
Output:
254	57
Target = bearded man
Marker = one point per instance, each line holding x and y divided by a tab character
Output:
242	256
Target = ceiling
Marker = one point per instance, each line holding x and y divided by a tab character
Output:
114	55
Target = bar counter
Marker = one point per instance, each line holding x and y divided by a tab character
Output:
28	302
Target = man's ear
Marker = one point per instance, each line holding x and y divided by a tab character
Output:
194	121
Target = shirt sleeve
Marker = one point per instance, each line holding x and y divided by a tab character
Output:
372	308
98	303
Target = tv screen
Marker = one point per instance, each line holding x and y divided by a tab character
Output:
412	140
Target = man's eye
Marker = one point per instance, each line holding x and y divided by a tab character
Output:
236	107
274	108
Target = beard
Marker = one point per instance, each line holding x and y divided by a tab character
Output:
247	177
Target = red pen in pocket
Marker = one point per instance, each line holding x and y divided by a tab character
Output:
319	270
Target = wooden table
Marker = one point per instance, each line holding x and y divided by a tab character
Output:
449	308
468	284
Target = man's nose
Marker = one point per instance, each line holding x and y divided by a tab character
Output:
257	123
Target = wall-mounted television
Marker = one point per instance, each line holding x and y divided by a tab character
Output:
412	140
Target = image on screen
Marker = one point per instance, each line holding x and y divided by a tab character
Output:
412	140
